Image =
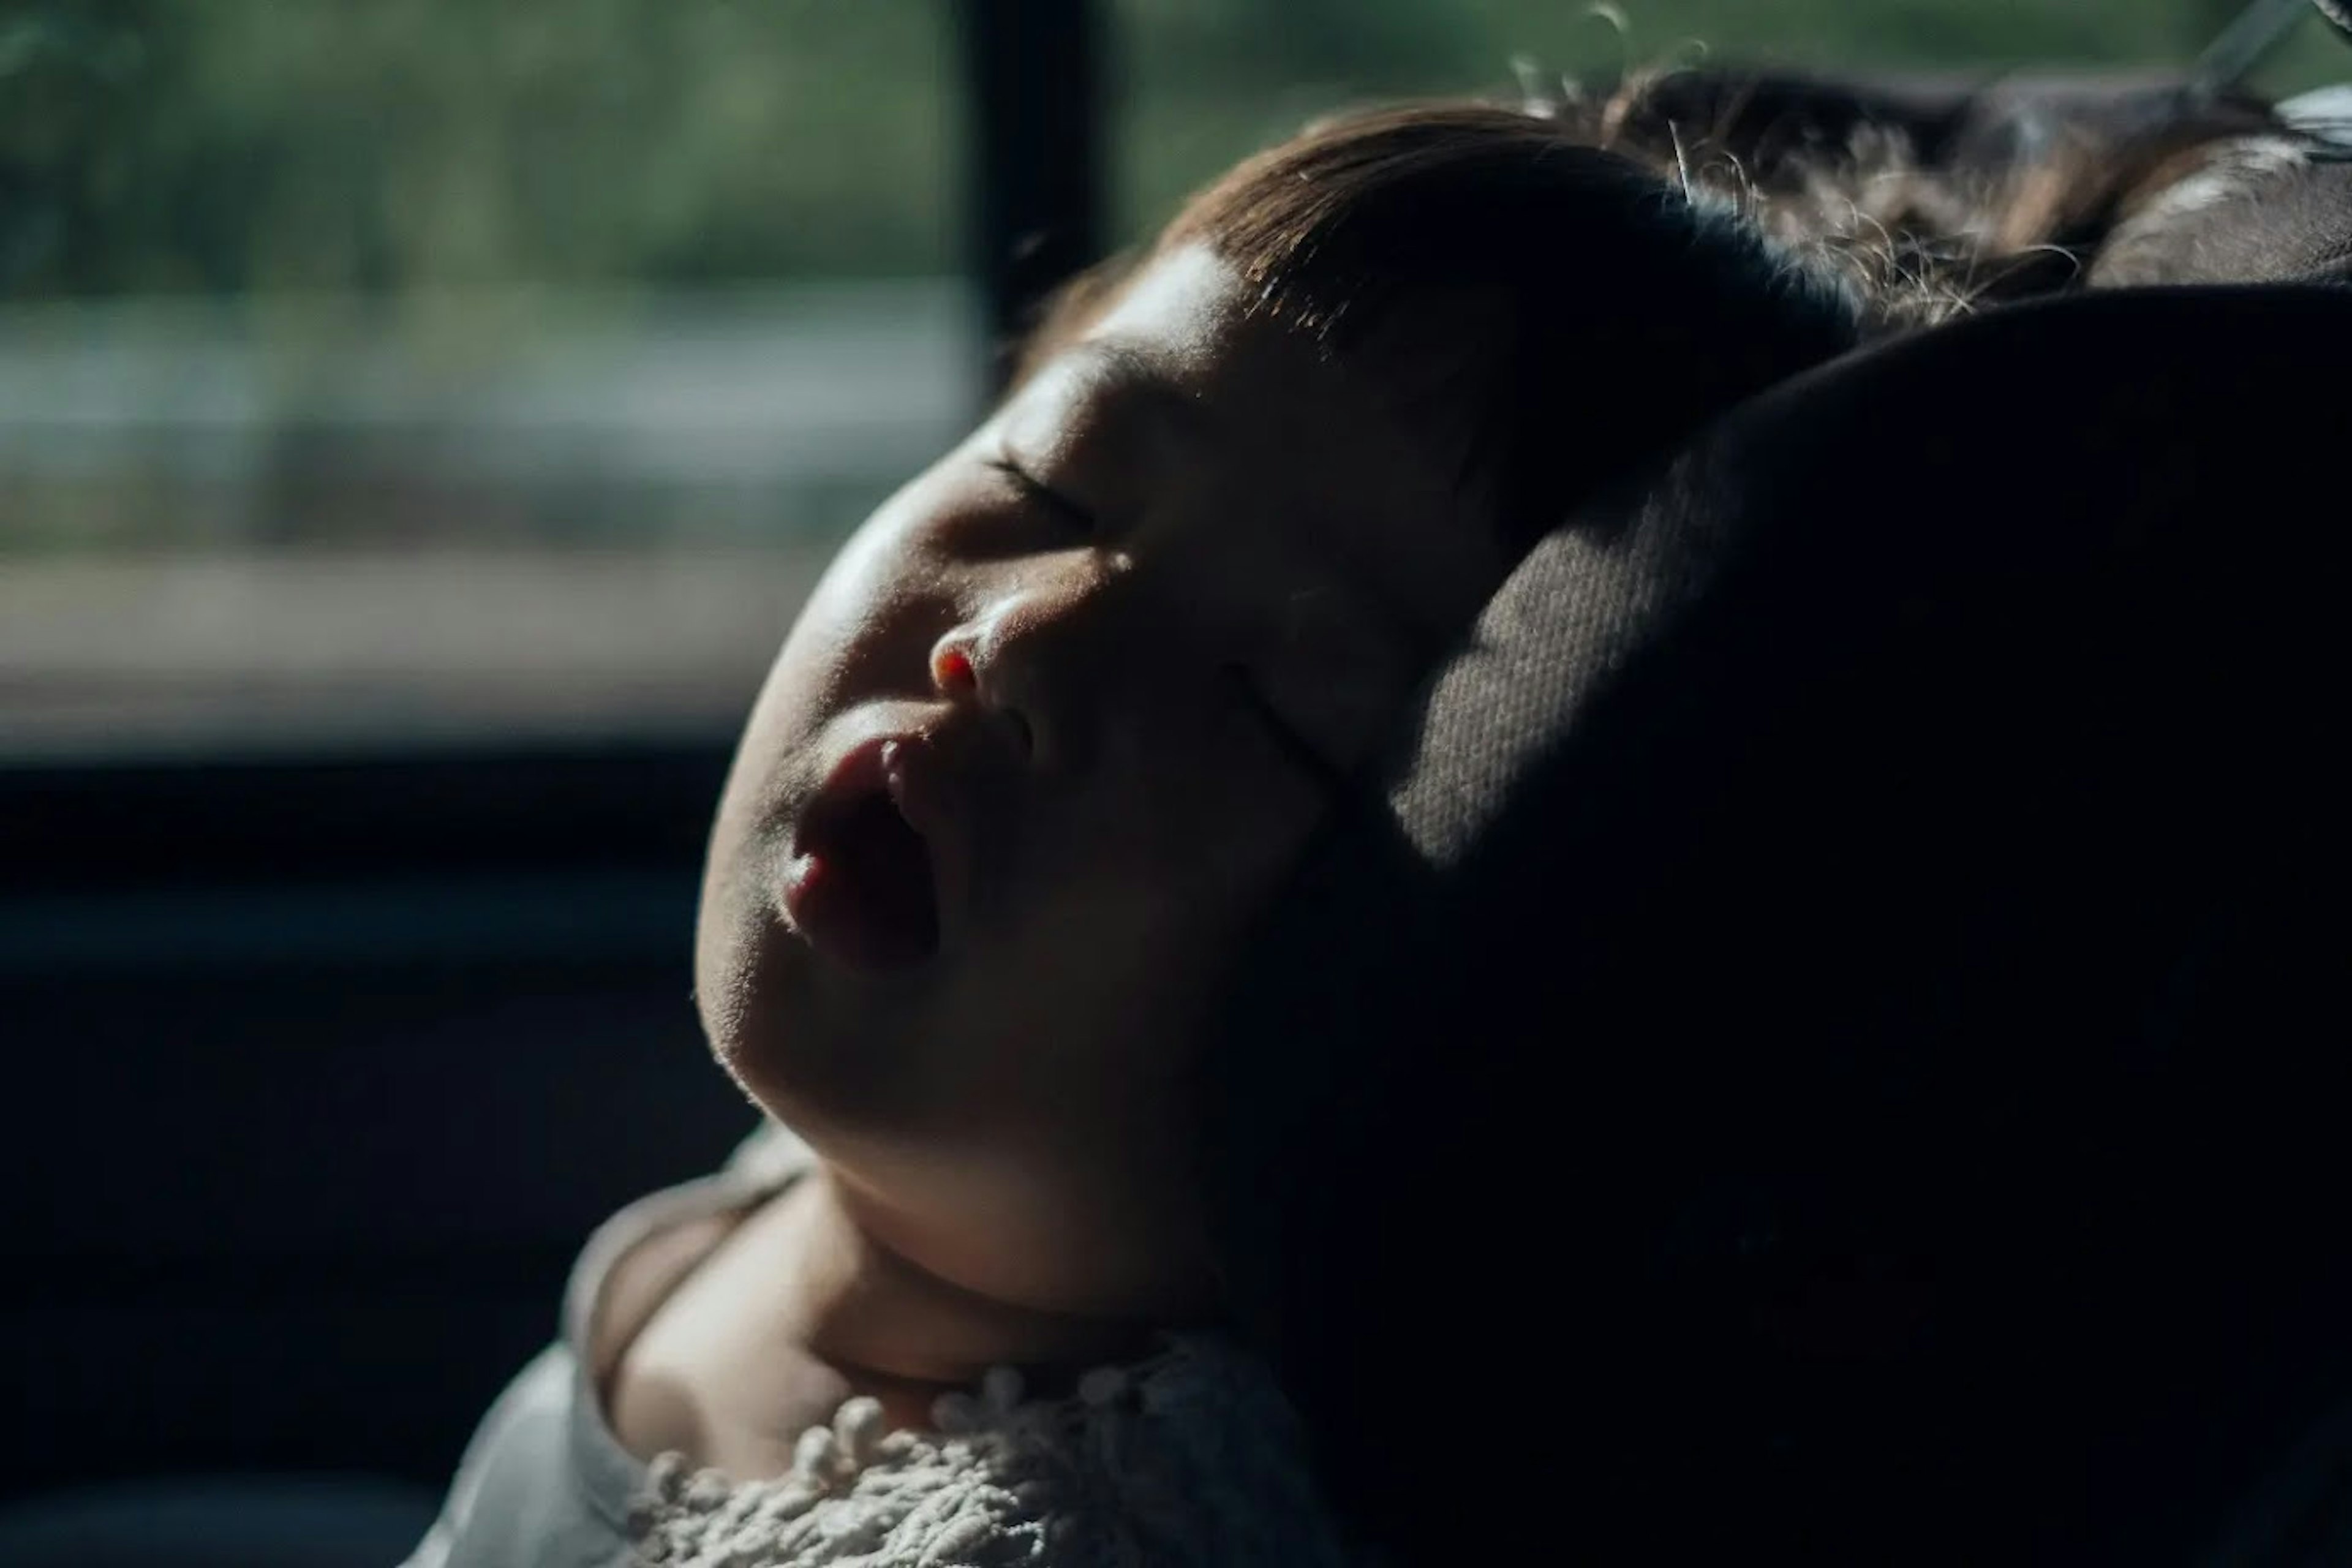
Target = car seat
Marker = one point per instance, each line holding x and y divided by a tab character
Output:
1825	1032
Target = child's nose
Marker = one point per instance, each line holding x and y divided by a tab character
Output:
955	672
1018	661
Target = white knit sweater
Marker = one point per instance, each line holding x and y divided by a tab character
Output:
1189	1459
1191	1456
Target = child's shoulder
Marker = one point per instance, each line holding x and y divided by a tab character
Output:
655	1244
772	1154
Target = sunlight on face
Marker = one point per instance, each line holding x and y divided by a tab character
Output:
1047	737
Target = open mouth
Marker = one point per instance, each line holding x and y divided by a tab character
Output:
860	887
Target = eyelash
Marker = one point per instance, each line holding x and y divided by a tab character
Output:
1287	738
1036	489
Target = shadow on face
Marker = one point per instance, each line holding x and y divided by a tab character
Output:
1050	731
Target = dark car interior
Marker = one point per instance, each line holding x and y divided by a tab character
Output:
1696	910
335	1040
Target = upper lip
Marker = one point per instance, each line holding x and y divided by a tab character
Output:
910	767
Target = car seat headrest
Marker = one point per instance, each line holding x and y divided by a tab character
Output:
1886	835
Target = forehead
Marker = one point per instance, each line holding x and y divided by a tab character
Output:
1185	304
1177	345
1355	455
1191	313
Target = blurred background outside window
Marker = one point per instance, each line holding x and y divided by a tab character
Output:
411	372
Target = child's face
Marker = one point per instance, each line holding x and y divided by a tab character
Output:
1041	745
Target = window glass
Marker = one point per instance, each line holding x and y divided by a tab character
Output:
419	369
427	369
1205	81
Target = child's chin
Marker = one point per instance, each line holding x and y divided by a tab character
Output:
812	1045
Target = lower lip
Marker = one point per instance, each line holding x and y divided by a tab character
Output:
829	913
824	904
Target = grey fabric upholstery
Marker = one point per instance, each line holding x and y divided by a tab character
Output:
1892	860
2246	224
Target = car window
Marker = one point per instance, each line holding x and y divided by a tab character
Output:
1203	81
427	370
430	370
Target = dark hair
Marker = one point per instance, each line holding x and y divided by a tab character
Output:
1938	201
1626	311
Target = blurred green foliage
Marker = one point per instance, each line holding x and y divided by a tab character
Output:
233	146
226	145
1206	81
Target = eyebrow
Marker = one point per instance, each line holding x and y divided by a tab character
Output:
1124	371
1119	368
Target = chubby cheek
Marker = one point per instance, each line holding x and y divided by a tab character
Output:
864	627
864	632
1156	902
842	649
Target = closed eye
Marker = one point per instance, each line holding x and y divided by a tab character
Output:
1032	489
1296	748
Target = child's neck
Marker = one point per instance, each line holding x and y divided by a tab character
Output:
800	1308
866	1308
